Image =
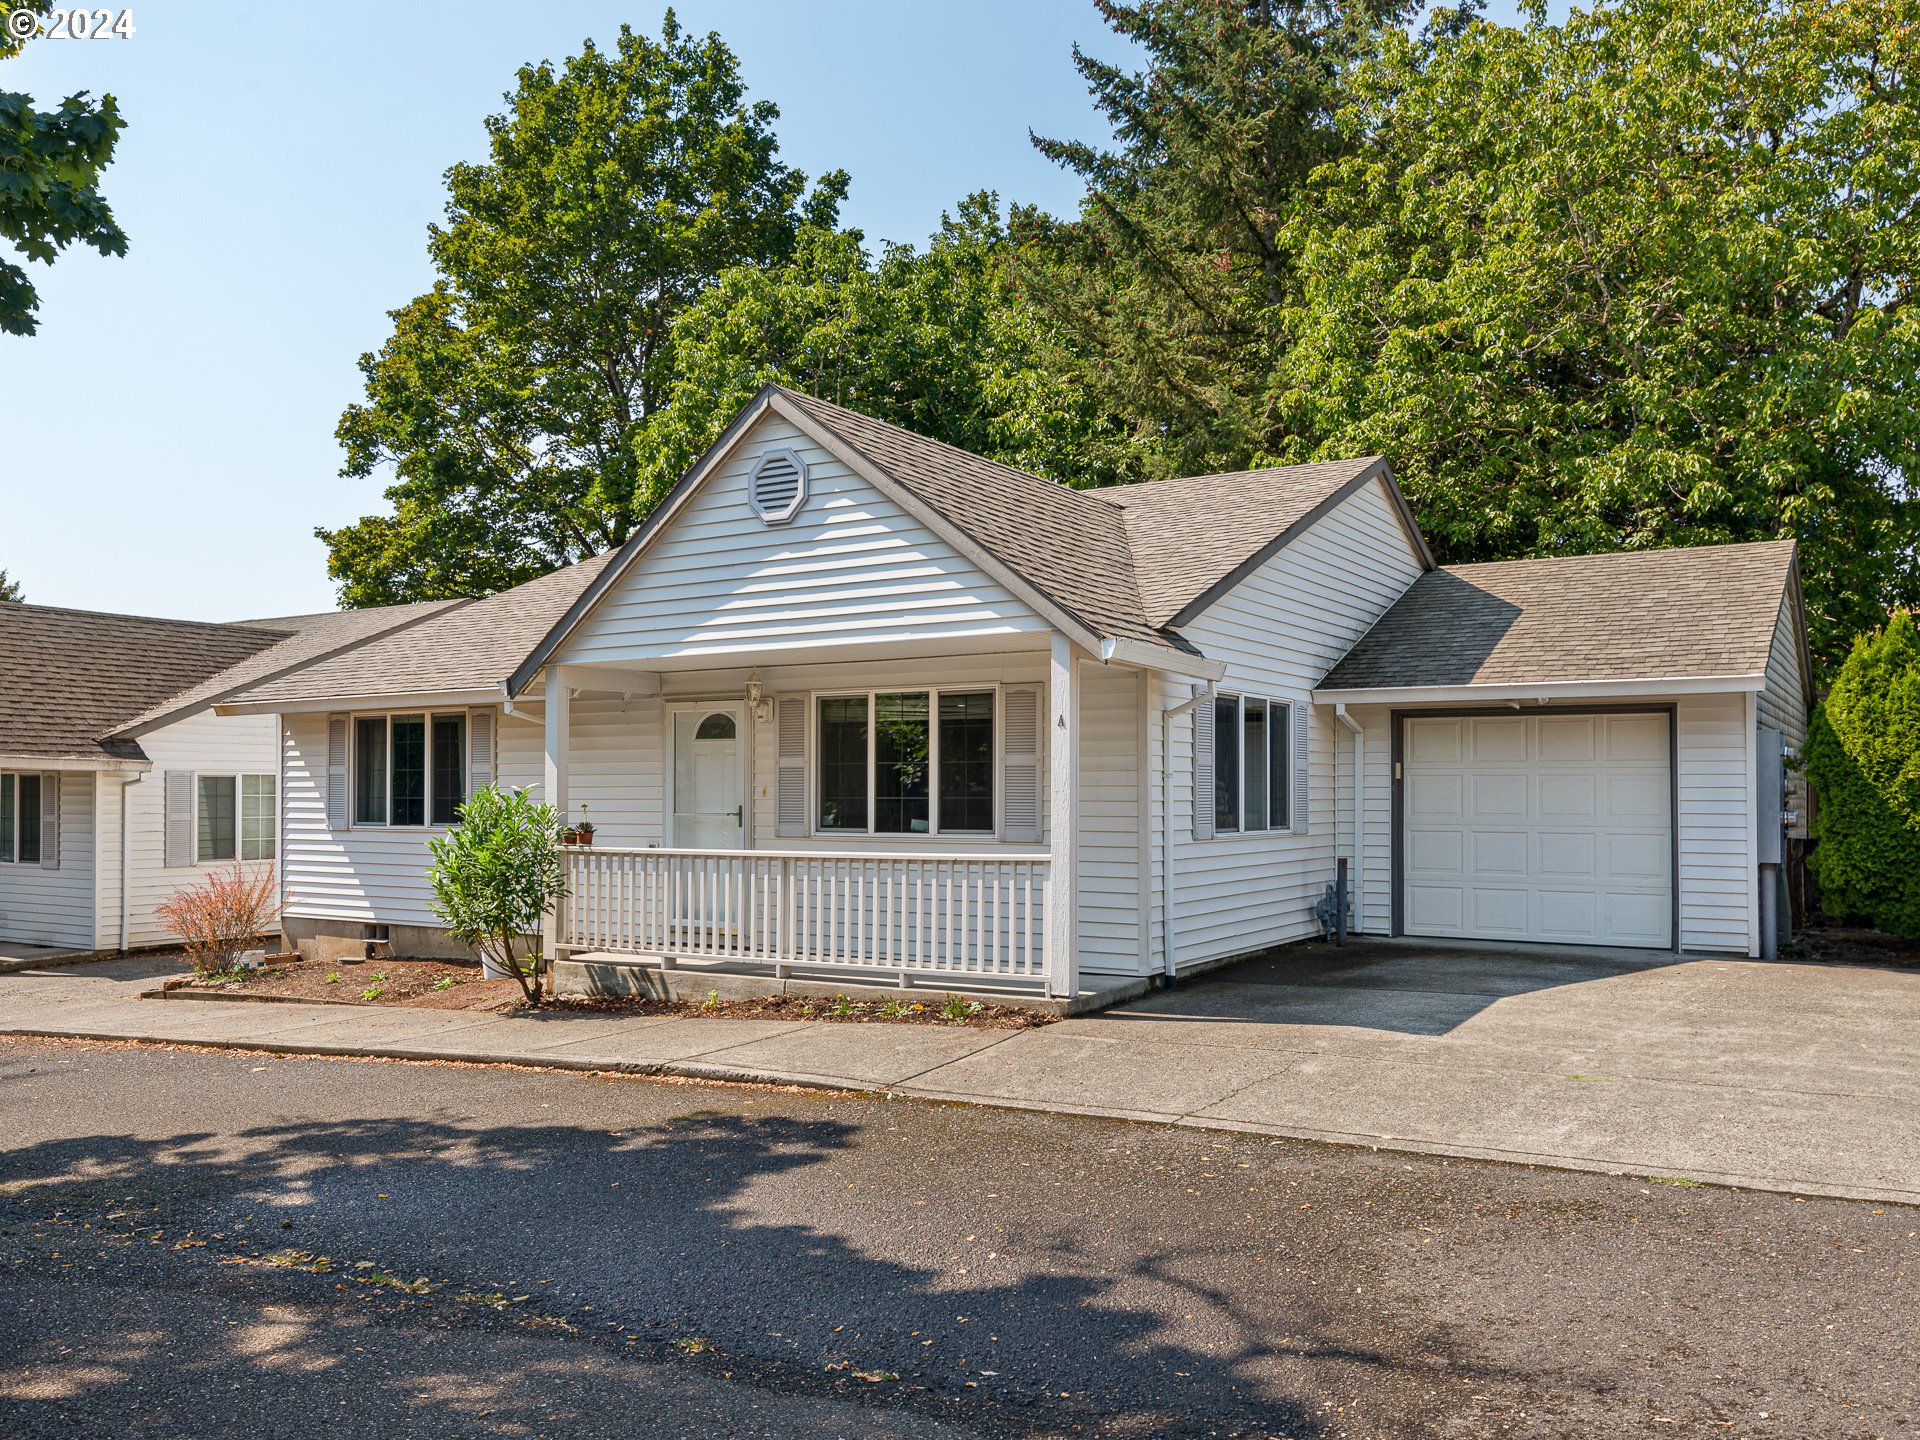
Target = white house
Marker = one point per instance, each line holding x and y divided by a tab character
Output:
860	704
118	783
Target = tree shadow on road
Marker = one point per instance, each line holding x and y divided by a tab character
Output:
683	1240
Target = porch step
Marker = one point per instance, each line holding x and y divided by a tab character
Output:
605	974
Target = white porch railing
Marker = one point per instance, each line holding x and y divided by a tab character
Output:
974	917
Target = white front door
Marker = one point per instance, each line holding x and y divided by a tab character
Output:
1539	827
709	777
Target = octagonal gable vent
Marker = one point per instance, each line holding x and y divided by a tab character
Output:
777	486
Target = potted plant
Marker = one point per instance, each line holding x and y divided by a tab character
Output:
583	832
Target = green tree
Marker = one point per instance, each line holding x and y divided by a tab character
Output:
50	164
1174	279
1863	757
10	590
937	340
495	876
508	399
1643	279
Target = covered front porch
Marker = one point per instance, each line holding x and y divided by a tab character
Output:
891	815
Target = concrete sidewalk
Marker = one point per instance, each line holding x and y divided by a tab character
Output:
1783	1077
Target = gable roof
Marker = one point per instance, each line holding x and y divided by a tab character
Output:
1120	564
83	684
74	676
1704	612
1196	537
467	647
308	638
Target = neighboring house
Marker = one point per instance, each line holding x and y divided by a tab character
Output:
855	702
118	783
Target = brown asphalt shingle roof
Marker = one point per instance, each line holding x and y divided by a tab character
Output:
471	645
1708	610
68	678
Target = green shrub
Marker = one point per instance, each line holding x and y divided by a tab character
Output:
495	875
1863	757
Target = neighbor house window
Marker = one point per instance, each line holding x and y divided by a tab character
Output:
20	819
234	817
906	762
1251	763
409	769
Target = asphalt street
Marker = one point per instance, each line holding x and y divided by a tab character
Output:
211	1245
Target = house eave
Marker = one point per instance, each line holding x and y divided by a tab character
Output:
1544	692
328	704
1162	658
102	764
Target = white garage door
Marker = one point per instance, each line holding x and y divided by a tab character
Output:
1539	827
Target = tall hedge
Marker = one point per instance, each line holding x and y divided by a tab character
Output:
1863	757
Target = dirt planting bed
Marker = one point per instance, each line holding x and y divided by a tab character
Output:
420	984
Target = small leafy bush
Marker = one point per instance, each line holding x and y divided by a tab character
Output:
1863	758
495	876
220	915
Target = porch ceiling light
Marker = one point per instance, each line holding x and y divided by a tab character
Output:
762	710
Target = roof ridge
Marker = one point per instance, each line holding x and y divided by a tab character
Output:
1641	552
225	627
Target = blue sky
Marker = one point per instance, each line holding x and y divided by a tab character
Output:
168	443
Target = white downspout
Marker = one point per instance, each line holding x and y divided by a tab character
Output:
1167	717
1359	811
126	858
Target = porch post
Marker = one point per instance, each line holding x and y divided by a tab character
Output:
1063	820
554	788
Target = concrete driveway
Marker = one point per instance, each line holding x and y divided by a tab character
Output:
1802	1077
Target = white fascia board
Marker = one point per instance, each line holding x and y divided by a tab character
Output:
104	764
1158	657
1546	692
337	703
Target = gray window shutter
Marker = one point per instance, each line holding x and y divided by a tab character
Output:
181	818
1020	765
1203	796
1302	726
479	750
790	726
337	727
50	820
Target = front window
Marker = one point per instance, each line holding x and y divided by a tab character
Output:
409	769
234	818
912	762
20	819
1251	763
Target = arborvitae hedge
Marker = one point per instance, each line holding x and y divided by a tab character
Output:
1863	757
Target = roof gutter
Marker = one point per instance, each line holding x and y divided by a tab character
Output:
328	703
1543	692
1161	658
106	764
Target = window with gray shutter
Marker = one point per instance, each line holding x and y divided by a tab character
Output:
337	726
50	821
479	750
1301	728
1203	786
1020	765
791	732
179	800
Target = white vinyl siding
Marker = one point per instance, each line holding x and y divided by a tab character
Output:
850	568
1783	703
200	744
371	874
42	906
1715	823
1278	632
1110	814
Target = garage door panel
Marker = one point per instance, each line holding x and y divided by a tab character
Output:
1571	915
1573	855
1553	827
1498	796
1501	739
1437	909
1437	852
1569	797
1497	911
1567	737
1498	852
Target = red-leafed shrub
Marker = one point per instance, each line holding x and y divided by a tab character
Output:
217	916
